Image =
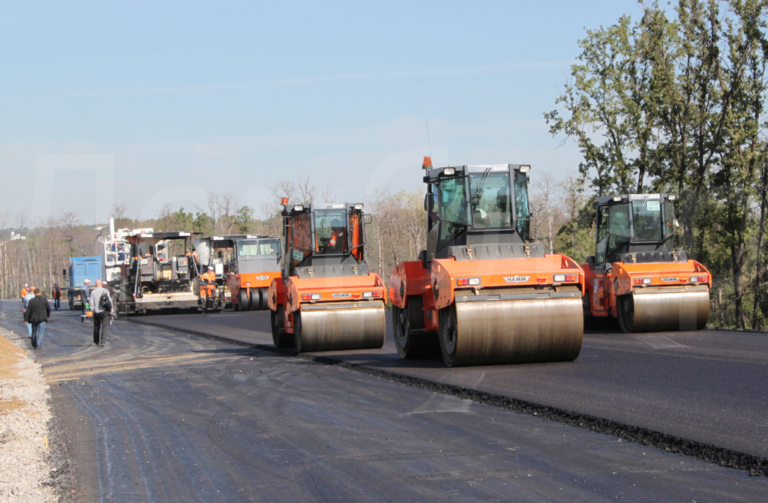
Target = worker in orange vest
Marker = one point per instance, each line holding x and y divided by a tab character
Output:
196	260
336	243
24	291
209	276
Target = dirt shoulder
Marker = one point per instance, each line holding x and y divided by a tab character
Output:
34	466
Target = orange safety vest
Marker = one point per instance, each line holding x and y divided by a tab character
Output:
24	292
336	236
209	276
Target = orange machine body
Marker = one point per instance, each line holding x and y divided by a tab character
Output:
293	293
439	286
250	281
602	289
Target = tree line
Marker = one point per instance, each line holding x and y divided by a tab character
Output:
675	102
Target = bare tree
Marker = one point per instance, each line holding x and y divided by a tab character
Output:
307	191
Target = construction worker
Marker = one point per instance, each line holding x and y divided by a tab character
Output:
85	295
25	290
25	302
196	260
56	296
209	276
336	243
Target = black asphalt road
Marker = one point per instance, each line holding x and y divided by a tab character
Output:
708	386
163	416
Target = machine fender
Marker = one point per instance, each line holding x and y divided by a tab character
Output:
276	293
398	286
441	285
621	281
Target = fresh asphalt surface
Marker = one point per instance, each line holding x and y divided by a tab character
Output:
166	416
709	386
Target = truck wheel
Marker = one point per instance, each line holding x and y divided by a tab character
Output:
244	301
405	322
625	311
255	299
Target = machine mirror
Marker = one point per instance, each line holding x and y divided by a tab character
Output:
367	219
426	201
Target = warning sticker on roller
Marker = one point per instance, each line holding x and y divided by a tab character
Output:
516	279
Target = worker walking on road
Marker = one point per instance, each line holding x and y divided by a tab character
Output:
56	296
25	290
24	305
103	308
85	295
36	315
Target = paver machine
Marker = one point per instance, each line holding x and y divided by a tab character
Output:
637	275
160	275
483	285
326	298
254	265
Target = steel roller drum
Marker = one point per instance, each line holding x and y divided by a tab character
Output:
662	309
333	327
513	331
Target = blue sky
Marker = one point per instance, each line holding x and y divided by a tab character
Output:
148	103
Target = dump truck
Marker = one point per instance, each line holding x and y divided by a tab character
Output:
486	289
161	273
637	275
326	297
255	263
80	269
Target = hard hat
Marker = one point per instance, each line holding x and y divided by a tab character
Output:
86	281
26	284
210	268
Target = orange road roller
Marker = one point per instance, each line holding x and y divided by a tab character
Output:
255	263
483	285
637	275
326	298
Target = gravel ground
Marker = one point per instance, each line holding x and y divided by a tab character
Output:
34	464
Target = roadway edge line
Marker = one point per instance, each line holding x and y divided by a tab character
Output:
722	456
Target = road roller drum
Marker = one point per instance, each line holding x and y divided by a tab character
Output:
338	327
515	331
664	309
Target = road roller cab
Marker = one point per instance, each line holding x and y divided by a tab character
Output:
637	275
483	285
326	298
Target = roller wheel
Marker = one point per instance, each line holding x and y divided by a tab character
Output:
279	337
297	330
625	310
448	332
255	299
243	300
405	323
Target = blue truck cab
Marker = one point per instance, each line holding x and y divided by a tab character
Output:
80	269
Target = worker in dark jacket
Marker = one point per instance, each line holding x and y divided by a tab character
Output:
37	313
